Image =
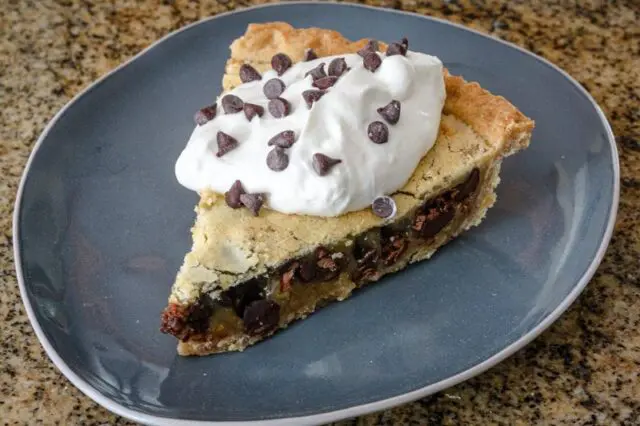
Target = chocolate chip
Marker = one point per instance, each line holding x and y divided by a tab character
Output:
393	249
261	316
328	268
249	73
390	112
231	104
396	49
251	110
186	321
325	82
309	55
283	139
384	207
307	270
199	314
378	132
273	88
405	43
277	159
433	219
232	196
205	115
280	63
224	300
323	164
371	46
311	96
321	252
467	187
372	61
244	294
253	202
279	107
225	143
317	72
337	67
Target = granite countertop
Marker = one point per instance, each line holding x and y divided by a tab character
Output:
584	370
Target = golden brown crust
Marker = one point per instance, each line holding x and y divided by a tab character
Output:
493	117
262	41
477	130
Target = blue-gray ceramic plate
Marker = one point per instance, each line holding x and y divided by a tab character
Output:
101	226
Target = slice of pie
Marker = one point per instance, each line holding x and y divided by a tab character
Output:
385	161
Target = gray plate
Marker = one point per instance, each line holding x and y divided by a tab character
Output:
101	227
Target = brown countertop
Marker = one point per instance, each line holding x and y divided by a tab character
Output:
584	370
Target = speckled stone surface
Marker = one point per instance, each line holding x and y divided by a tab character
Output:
584	370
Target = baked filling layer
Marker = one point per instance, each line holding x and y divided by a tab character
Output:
266	302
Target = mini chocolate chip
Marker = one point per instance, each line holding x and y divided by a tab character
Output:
277	159
279	107
371	46
261	316
205	114
253	202
232	196
390	112
249	73
337	67
283	139
311	96
317	72
325	82
231	104
280	63
378	132
384	207
322	164
251	110
396	49
225	143
372	61
309	55
273	88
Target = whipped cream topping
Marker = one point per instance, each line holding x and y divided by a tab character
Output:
335	126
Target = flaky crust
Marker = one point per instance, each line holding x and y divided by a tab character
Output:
477	130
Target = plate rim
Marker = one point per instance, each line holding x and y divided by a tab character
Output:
357	410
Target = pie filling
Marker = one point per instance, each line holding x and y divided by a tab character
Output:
259	306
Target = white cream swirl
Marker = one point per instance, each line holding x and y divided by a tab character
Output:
336	126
